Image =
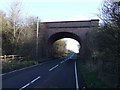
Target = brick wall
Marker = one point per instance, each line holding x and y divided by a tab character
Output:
72	24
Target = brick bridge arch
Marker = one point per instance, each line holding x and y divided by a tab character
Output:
58	36
69	29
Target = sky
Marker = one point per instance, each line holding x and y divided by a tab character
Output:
58	10
72	44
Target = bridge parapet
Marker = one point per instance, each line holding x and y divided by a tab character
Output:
73	24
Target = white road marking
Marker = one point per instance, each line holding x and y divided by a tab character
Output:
29	83
62	62
23	68
76	77
20	69
35	79
53	67
24	86
66	59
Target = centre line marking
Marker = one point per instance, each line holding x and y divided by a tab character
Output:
53	67
62	62
29	83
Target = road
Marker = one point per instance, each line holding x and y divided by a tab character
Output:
60	73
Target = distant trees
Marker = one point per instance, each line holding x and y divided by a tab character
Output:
70	51
18	33
59	48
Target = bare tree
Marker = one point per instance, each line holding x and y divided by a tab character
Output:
15	19
110	12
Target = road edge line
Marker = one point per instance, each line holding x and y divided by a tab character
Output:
76	77
23	68
19	69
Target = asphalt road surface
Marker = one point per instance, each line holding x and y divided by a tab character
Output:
60	73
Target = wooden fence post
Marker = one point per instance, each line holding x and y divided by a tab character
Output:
5	57
13	57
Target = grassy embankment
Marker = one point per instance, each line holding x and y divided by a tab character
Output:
11	65
90	76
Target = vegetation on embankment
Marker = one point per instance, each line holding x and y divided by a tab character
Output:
90	76
104	47
11	65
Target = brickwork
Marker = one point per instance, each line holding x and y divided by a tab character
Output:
72	24
69	29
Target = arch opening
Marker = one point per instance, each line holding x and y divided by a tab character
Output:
72	45
65	46
69	38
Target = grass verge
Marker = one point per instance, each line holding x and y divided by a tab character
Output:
8	66
90	76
